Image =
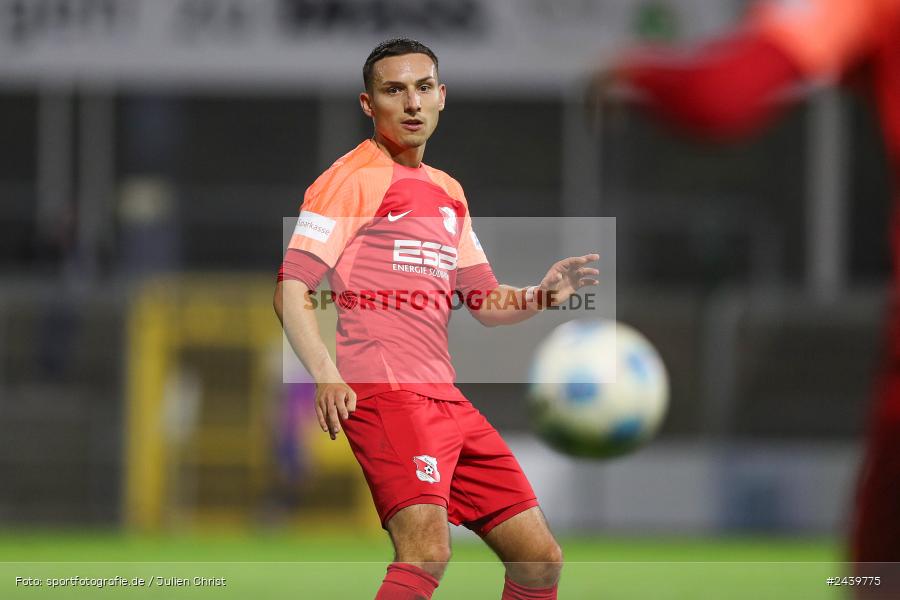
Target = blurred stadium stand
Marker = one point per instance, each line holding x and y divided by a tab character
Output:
61	404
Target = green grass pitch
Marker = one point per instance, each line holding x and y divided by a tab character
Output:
282	567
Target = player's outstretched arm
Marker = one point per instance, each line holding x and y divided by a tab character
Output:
335	400
508	305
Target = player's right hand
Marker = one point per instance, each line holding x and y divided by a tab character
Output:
334	403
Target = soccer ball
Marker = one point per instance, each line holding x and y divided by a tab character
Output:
598	389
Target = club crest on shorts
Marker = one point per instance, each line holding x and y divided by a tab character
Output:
426	468
449	219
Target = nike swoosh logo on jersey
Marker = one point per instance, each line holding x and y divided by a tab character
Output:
393	218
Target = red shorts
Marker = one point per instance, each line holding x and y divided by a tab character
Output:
418	450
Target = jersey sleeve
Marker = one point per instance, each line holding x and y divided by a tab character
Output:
475	279
825	37
331	215
470	251
302	266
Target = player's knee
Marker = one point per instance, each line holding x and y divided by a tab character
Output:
555	554
431	557
436	553
542	569
551	562
439	554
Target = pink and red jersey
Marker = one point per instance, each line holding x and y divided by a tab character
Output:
396	242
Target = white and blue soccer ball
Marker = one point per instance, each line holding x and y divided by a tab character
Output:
598	389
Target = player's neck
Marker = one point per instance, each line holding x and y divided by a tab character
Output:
408	157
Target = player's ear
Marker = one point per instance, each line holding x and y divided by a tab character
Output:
365	101
442	92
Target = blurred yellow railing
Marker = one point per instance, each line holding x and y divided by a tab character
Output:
204	376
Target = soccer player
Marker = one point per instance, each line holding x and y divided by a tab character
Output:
731	87
388	230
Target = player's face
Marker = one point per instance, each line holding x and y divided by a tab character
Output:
405	101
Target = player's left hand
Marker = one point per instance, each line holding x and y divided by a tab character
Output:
567	277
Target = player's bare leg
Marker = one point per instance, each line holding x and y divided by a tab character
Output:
526	546
421	537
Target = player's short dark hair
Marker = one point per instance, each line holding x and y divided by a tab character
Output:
395	47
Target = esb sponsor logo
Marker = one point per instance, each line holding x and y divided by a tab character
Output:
426	254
